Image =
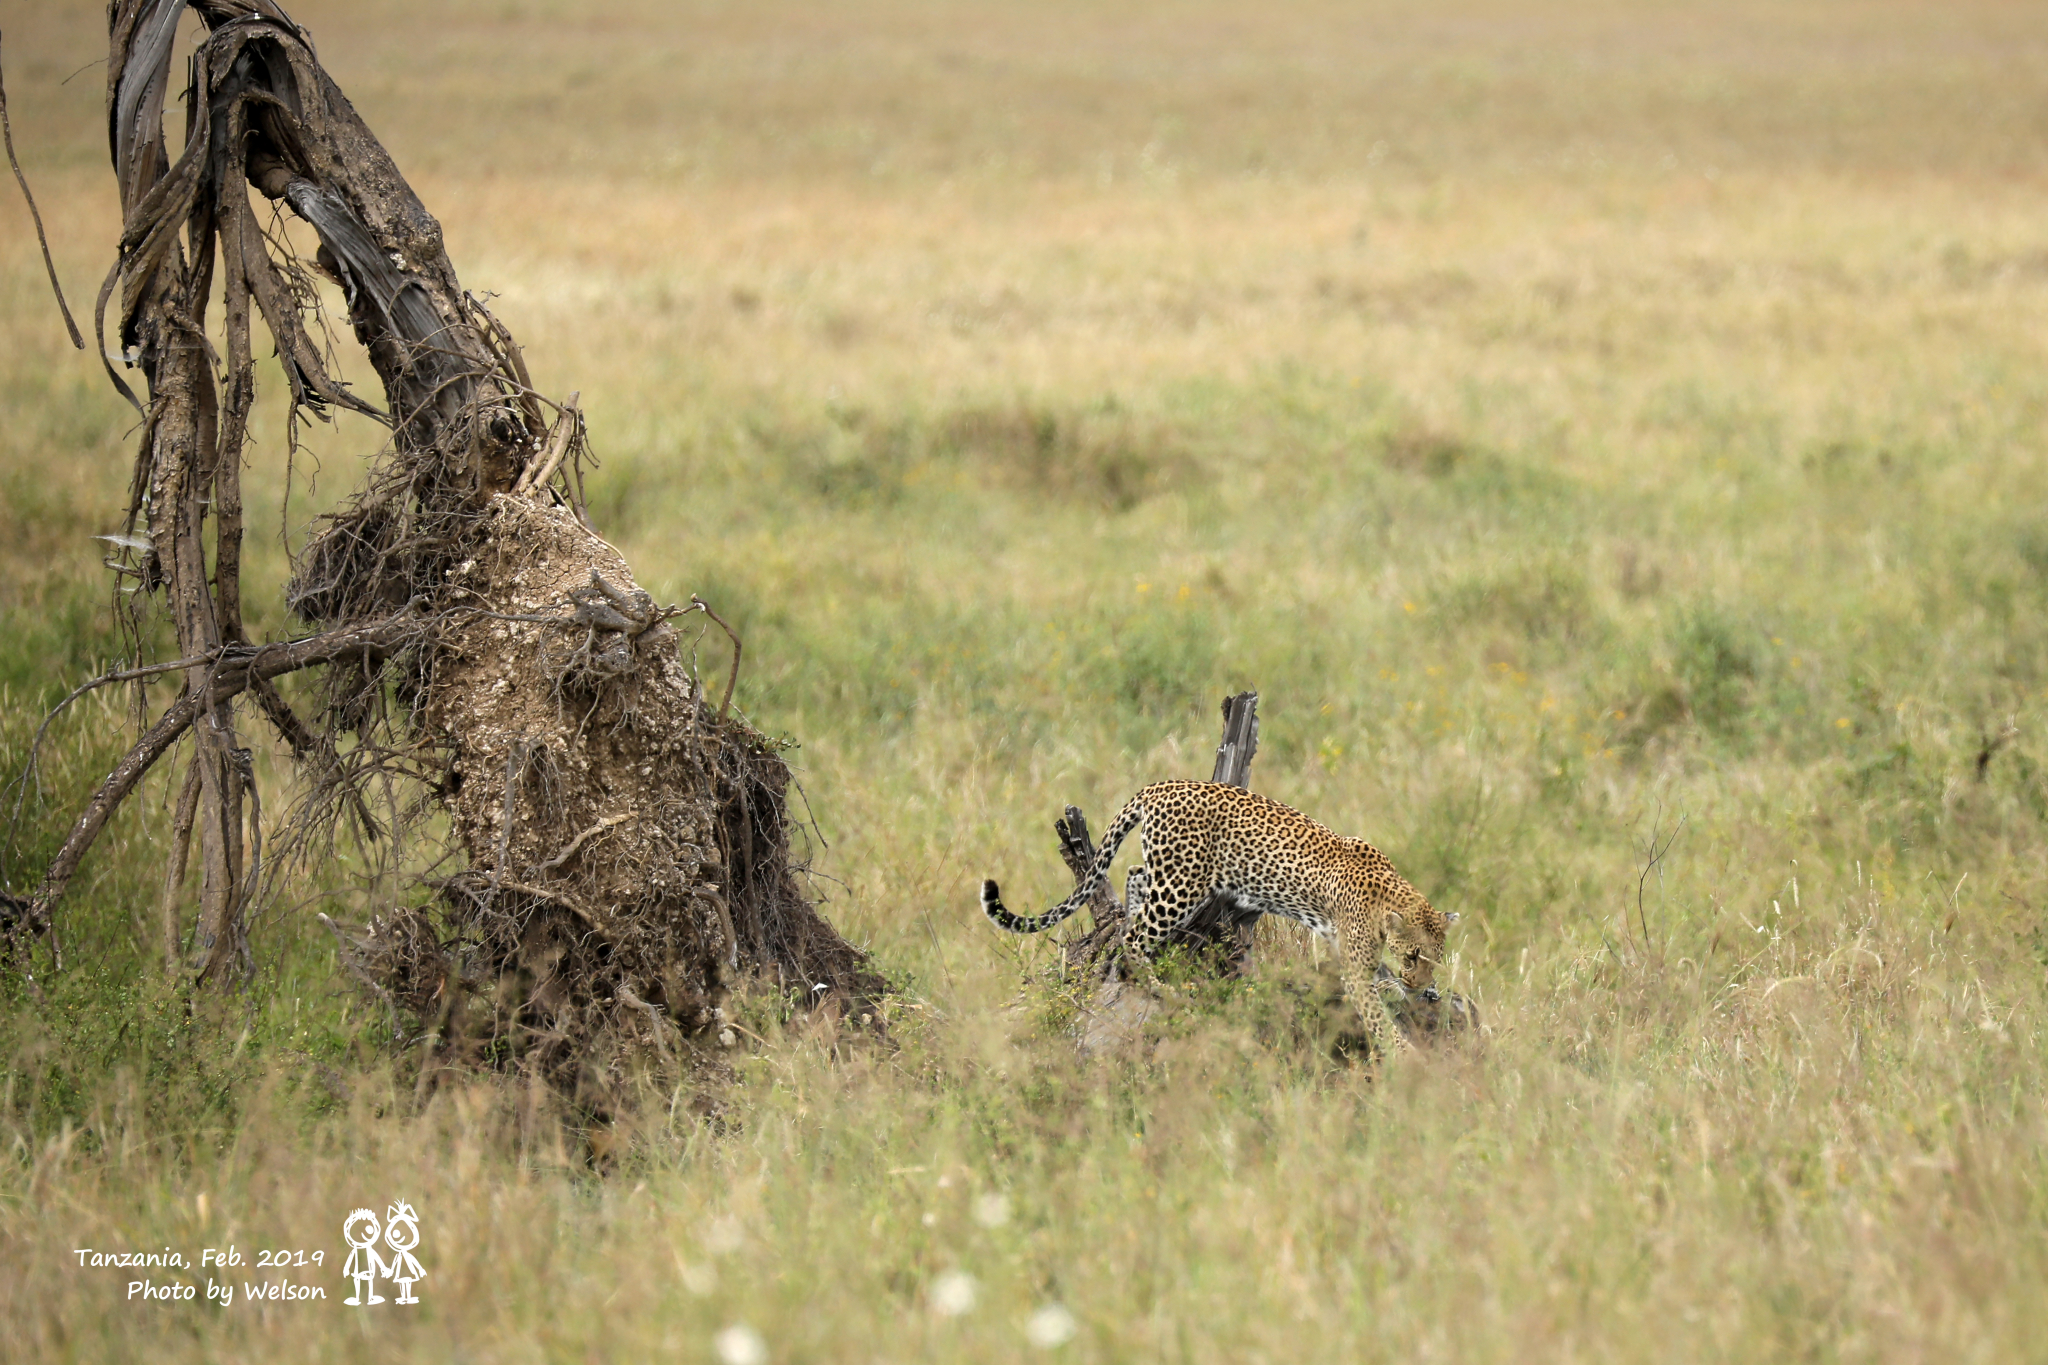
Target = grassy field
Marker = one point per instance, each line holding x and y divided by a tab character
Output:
1580	423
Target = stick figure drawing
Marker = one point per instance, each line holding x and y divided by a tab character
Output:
402	1234
359	1229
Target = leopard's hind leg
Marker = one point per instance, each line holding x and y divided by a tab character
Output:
1136	886
1138	947
1160	896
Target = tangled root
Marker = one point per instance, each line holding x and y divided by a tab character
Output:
628	847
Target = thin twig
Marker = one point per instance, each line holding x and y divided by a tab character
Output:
1653	854
577	842
733	678
1993	743
181	850
7	131
536	478
515	361
35	747
233	668
580	503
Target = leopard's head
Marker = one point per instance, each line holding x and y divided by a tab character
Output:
1416	936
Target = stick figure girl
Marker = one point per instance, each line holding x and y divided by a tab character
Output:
402	1234
359	1230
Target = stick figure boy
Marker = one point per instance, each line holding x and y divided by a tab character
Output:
359	1230
402	1234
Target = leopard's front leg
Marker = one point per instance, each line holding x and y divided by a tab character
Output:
1361	950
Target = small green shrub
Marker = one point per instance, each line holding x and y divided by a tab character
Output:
1542	600
1716	665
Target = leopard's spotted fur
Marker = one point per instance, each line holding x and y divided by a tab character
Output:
1204	838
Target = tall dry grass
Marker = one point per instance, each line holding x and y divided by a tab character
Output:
1573	420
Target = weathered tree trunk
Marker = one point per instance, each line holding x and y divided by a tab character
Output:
625	845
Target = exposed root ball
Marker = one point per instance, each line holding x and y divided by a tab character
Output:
628	848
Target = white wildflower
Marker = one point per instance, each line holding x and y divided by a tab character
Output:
724	1236
1050	1326
954	1293
740	1344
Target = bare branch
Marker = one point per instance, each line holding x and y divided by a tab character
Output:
1654	849
7	131
174	876
725	704
28	770
232	670
566	428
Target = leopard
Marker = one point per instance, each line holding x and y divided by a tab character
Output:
1204	839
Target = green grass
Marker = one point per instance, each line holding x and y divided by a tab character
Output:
1648	439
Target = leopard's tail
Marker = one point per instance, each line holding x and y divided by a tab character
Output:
1098	873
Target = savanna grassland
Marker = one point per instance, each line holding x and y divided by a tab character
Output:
1585	425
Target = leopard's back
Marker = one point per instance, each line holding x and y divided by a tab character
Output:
1204	838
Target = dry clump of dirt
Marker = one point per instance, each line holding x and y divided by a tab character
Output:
629	845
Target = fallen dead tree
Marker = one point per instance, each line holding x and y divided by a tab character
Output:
1220	938
617	848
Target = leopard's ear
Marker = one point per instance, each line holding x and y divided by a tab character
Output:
1396	920
1451	917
